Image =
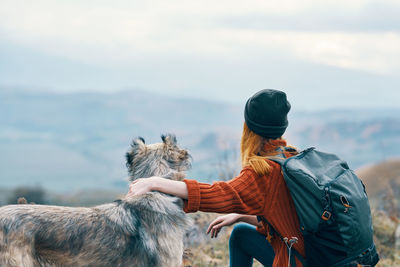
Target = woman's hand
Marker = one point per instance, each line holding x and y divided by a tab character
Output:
141	186
225	220
144	185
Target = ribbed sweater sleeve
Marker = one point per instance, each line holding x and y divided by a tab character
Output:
192	204
244	194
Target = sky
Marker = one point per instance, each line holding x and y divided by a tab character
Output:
323	54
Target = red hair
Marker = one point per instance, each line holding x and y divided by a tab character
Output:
253	153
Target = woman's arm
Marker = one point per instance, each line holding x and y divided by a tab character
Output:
251	219
144	185
244	194
225	220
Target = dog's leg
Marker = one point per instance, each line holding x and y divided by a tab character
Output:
16	254
173	255
16	258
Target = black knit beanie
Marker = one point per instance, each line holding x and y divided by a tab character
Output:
266	112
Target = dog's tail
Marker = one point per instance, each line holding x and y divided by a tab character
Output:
22	200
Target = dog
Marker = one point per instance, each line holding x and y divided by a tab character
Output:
145	230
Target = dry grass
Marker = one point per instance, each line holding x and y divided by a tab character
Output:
211	252
385	239
215	252
383	187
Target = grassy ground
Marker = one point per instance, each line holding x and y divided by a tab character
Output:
215	252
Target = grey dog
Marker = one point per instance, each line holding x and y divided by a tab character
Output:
140	231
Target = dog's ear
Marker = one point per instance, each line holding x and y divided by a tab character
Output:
137	146
169	139
138	143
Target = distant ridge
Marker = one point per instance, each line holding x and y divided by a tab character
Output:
379	176
74	141
382	180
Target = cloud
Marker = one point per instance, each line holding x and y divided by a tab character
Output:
371	52
190	44
322	16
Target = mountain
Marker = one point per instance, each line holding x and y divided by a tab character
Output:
75	141
360	141
382	182
71	142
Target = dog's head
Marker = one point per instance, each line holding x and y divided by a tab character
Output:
164	159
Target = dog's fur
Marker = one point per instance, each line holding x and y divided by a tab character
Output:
143	231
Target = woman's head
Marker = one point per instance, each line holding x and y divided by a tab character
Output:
266	112
265	120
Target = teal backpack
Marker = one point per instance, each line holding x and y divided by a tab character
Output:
333	210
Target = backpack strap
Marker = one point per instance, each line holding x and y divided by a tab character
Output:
280	159
288	242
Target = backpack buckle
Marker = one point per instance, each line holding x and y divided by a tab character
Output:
326	215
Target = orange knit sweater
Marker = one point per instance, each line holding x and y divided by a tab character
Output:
249	193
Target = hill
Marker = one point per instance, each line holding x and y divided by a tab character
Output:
382	182
77	141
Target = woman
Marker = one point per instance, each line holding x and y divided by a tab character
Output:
259	189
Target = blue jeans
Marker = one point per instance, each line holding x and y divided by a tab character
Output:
245	244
